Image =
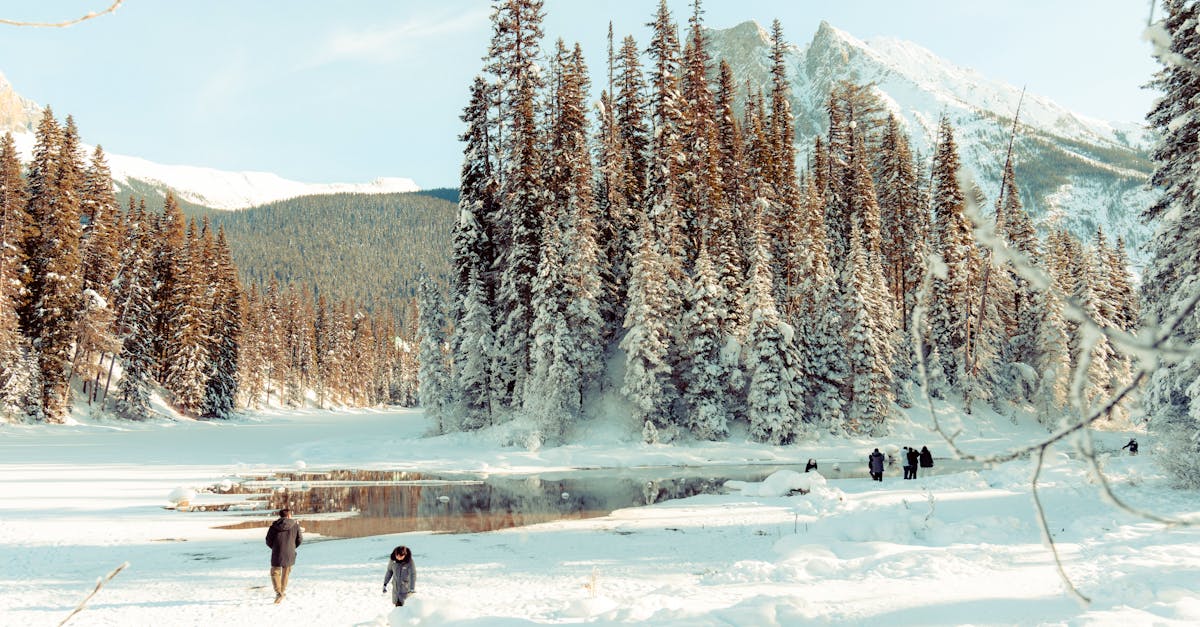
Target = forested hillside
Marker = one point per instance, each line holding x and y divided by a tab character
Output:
368	248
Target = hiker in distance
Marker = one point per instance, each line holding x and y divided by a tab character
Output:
283	537
1132	446
403	573
926	457
906	462
914	458
875	465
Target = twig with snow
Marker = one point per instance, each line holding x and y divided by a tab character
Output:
100	581
91	15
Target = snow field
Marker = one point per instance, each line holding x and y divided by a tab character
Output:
965	548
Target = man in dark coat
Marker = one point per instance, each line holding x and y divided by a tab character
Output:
875	465
283	537
914	457
926	457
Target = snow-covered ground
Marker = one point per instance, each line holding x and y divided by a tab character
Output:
77	501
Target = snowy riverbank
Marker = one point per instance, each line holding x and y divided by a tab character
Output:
76	501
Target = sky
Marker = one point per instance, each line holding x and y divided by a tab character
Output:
320	92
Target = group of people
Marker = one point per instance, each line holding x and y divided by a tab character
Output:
910	459
286	534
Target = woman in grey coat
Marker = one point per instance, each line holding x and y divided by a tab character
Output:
404	572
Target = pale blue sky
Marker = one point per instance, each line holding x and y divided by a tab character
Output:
326	91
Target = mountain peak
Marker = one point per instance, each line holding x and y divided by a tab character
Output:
17	114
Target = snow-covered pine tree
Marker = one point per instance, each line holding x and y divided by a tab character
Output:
551	395
669	234
99	209
864	212
473	359
55	178
953	244
648	384
514	55
566	354
904	223
433	375
169	266
821	342
474	258
704	396
904	242
584	315
699	192
186	350
869	382
614	213
772	361
1094	353
134	291
726	241
224	335
17	366
629	101
252	365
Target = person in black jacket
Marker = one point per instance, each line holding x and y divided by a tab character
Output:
1132	446
914	457
404	573
926	457
283	537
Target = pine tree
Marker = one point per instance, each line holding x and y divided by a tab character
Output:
904	222
868	354
474	257
648	384
55	178
134	291
225	329
821	341
952	242
517	30
670	235
725	243
17	365
433	375
772	361
702	343
98	245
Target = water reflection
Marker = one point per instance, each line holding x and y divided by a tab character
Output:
359	503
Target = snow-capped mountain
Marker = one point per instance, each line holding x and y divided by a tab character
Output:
218	189
1074	170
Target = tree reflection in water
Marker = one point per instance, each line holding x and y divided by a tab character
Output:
359	503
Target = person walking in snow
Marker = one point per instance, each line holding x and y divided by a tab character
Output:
914	458
283	537
875	465
926	457
403	572
1132	446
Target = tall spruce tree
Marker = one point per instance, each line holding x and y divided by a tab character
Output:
953	243
434	374
514	54
55	179
474	289
17	364
224	335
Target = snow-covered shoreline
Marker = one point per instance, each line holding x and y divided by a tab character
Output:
76	501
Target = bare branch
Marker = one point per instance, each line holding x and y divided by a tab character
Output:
111	9
1047	537
99	584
